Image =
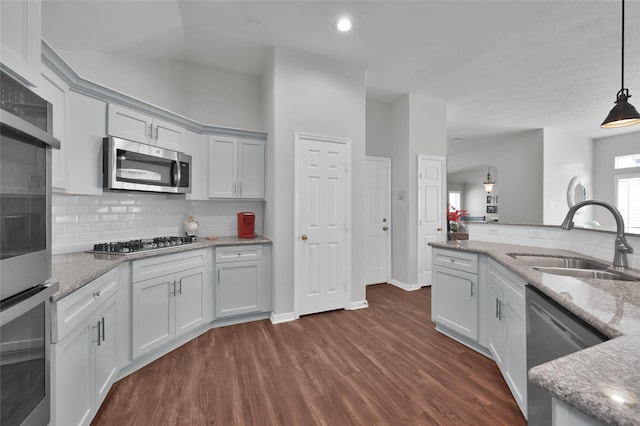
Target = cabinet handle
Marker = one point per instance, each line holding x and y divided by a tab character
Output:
472	292
150	131
173	288
157	131
180	282
97	326
218	275
102	322
497	310
99	333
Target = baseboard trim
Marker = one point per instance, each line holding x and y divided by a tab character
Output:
361	304
405	287
285	317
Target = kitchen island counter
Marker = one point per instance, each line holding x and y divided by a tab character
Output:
602	381
74	270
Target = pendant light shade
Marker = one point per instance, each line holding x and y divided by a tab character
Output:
489	182
623	114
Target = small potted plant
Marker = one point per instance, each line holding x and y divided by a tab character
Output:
454	215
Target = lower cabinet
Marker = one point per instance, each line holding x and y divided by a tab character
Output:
168	305
507	329
241	287
84	355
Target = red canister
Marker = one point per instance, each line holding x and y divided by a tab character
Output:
246	224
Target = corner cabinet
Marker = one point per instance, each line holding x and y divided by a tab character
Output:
20	29
171	295
135	126
84	350
242	286
507	329
455	291
236	167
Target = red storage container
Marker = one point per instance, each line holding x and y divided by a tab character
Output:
246	224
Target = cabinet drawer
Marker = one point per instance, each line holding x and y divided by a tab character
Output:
238	253
455	259
67	313
158	266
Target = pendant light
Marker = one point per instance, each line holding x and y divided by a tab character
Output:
623	114
488	182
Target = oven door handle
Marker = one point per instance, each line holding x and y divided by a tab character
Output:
30	300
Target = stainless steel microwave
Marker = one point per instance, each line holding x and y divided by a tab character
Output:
134	166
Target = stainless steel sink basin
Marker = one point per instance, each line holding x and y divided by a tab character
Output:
558	262
585	273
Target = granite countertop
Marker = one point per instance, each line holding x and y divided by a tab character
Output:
74	270
595	379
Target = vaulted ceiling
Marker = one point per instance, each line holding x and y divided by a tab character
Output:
501	66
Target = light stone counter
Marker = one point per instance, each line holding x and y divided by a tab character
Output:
74	270
592	380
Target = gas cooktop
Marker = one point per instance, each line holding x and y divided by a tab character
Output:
142	245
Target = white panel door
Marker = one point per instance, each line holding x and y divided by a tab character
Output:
431	211
223	158
190	299
322	253
250	169
106	348
153	313
168	135
128	124
378	220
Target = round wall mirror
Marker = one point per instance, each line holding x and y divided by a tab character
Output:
576	192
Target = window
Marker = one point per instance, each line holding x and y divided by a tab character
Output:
627	161
455	199
628	200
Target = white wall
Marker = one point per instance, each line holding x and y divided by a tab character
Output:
206	95
379	141
312	95
519	162
604	153
565	156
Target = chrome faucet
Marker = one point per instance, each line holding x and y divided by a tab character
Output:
622	247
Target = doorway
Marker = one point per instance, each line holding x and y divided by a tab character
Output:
378	220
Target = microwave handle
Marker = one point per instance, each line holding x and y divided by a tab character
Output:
177	174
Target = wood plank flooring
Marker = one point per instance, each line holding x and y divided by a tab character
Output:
385	365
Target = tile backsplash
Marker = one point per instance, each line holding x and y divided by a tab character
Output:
78	222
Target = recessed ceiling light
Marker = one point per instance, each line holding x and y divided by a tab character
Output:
344	25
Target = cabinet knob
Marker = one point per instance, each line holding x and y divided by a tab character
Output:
304	237
439	228
96	294
385	228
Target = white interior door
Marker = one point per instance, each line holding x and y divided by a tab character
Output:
322	249
378	220
431	209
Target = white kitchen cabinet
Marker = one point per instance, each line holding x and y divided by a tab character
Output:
236	167
196	145
174	297
455	292
20	34
508	329
52	88
133	125
86	123
84	353
241	287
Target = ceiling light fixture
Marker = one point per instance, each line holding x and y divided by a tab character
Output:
489	181
623	114
344	25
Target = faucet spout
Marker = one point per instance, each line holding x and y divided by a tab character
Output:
622	247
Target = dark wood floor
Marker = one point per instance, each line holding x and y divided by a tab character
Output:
385	365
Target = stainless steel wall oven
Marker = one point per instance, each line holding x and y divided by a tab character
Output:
25	254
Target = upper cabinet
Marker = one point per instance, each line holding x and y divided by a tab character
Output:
20	39
236	167
135	126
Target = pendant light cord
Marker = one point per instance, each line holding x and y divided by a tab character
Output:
622	67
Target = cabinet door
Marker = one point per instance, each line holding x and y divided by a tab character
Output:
54	90
86	123
457	301
496	333
152	314
20	24
128	124
106	349
515	371
191	300
223	160
167	135
250	168
73	376
239	288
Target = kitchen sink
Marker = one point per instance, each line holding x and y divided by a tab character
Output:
558	262
586	273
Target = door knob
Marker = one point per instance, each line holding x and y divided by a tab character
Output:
304	237
439	228
385	228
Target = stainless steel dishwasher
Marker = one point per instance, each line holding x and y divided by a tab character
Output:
552	332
